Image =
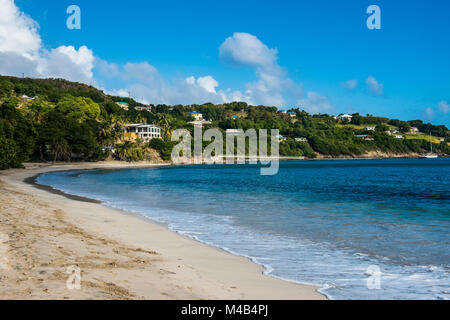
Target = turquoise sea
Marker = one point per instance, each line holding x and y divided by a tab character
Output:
327	223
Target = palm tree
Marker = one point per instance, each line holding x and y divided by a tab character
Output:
117	132
170	130
124	150
104	133
37	111
140	119
60	149
117	129
163	120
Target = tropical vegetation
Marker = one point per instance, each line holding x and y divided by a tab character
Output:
59	120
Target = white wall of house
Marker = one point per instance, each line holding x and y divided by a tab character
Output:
145	131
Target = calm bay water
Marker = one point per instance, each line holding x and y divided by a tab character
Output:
319	222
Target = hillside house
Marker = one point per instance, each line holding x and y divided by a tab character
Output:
144	108
123	105
197	115
143	131
26	98
292	114
345	117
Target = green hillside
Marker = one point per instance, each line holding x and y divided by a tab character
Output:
66	121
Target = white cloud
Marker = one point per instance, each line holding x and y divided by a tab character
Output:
208	83
21	50
429	113
14	64
18	32
246	49
350	84
106	69
374	86
157	90
68	63
145	84
119	93
140	71
315	103
273	86
444	106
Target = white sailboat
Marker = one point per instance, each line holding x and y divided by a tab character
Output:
430	155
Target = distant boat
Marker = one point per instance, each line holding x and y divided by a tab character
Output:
430	155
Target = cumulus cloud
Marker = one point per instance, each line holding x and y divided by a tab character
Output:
14	64
315	103
273	86
18	32
21	50
444	106
208	83
350	84
246	49
374	86
69	63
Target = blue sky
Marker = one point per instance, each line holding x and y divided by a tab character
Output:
306	52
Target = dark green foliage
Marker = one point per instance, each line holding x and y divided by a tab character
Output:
130	152
292	148
72	121
163	147
438	131
17	136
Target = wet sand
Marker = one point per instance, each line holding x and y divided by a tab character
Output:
44	232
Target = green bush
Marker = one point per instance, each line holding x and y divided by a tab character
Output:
163	147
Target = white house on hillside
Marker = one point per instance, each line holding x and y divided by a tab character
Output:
123	105
144	108
197	115
345	117
144	131
27	98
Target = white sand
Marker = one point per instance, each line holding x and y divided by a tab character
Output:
120	256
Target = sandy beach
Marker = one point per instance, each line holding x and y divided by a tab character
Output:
120	256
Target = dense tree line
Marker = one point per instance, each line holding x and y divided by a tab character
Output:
75	122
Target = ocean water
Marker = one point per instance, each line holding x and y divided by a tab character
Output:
359	229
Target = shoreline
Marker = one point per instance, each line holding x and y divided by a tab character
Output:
179	266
